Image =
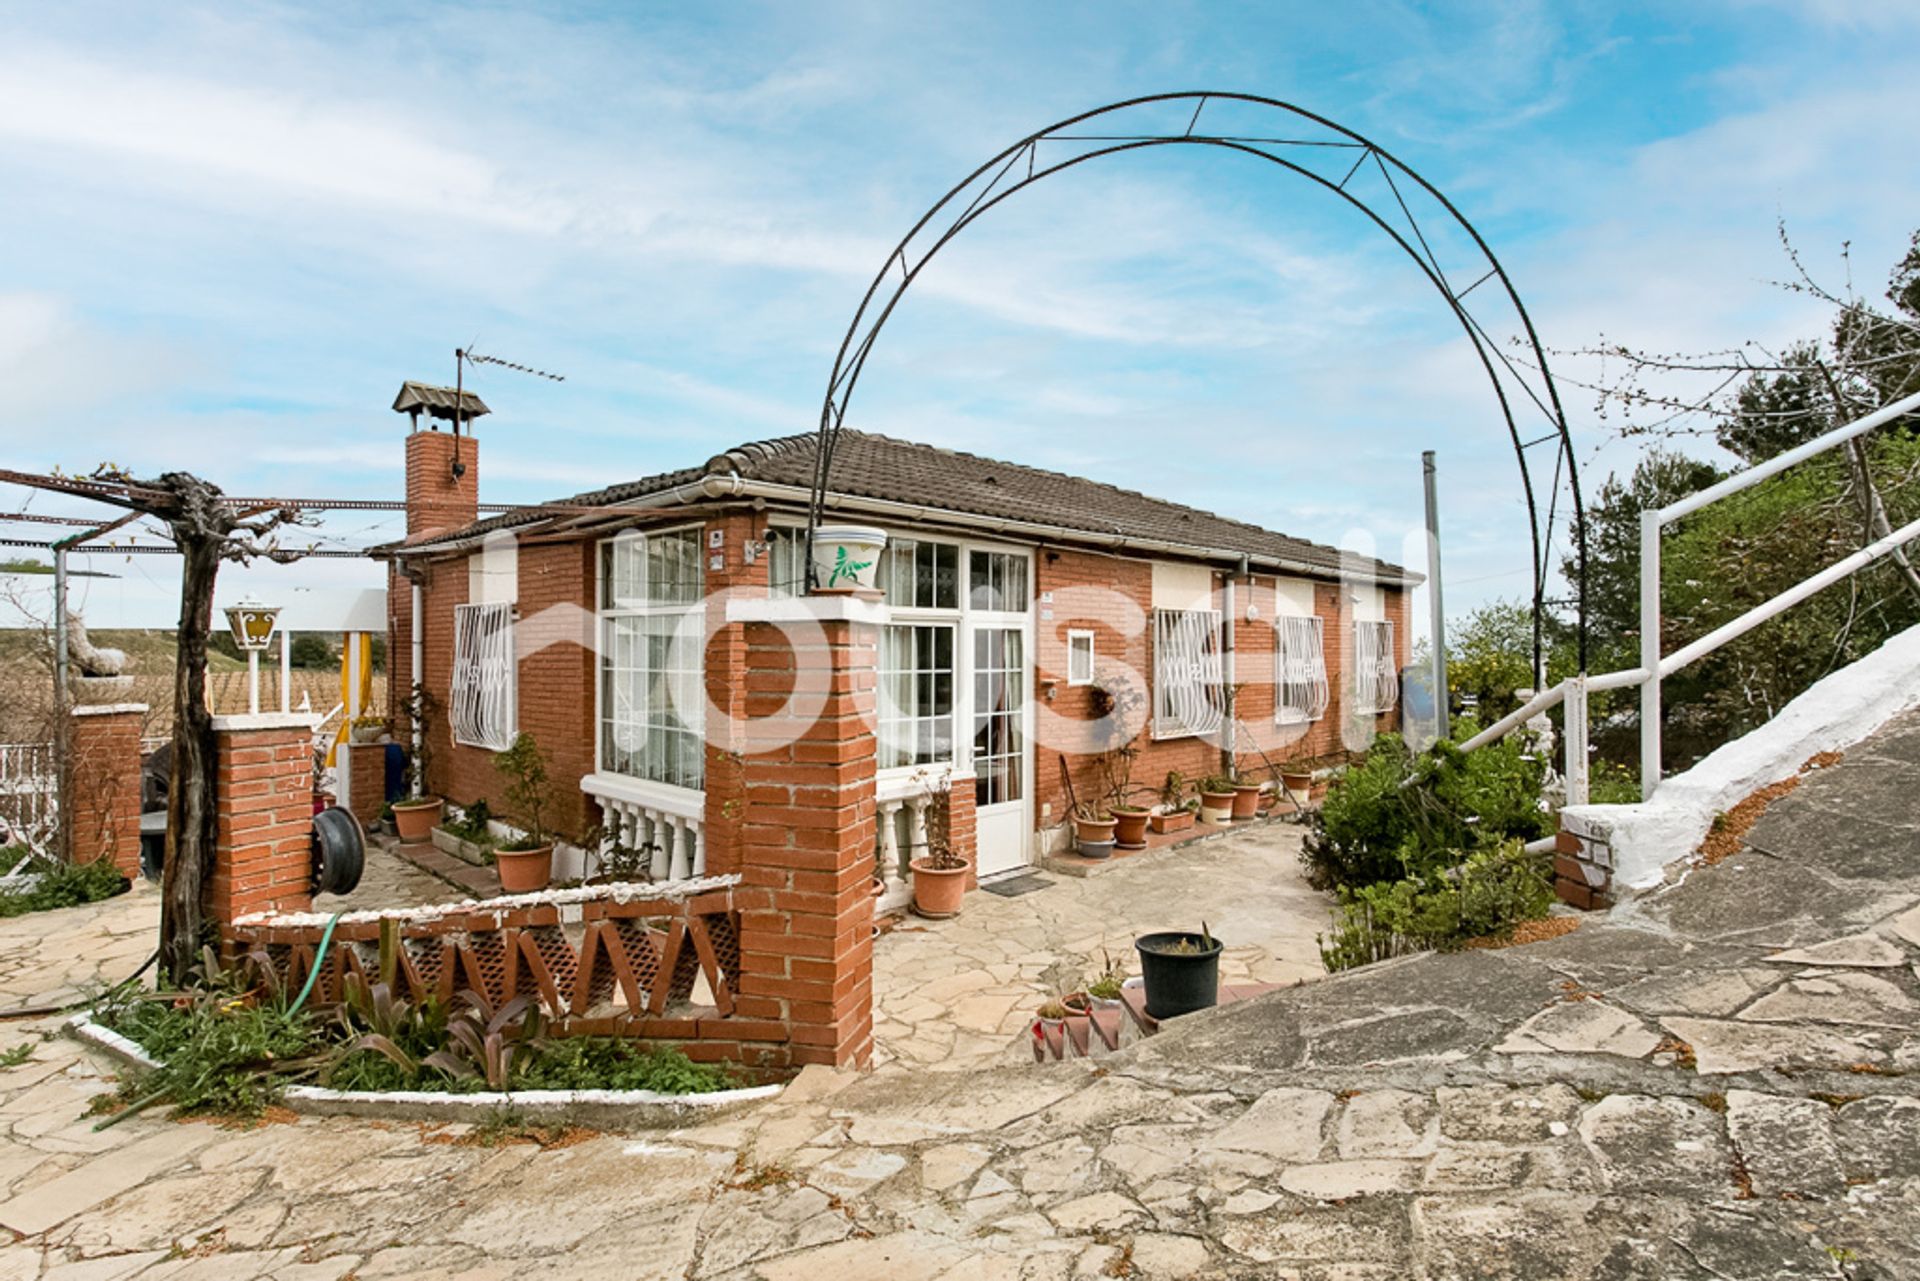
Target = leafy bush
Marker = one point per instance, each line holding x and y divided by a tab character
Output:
1397	815
1485	896
471	826
58	884
610	1063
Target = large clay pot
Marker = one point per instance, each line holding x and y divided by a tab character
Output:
1216	807
1130	828
1093	830
415	820
937	891
524	871
1246	800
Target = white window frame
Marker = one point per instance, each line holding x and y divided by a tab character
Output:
1075	636
481	697
1376	675
891	716
1300	687
1188	693
689	621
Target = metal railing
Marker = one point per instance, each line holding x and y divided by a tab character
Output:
1655	667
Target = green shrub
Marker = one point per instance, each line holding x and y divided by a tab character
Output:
59	884
1611	784
1488	894
1398	815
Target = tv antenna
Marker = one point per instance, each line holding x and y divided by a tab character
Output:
462	357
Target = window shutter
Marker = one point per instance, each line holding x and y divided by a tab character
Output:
482	711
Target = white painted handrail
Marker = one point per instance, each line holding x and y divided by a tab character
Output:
1654	666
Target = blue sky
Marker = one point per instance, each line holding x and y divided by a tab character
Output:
230	232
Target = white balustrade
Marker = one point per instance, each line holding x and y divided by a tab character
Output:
902	802
667	824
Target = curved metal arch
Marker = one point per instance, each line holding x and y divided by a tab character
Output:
1005	173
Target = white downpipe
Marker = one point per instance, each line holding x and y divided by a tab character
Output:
1231	739
418	645
1650	522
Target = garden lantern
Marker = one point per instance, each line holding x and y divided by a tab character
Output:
252	625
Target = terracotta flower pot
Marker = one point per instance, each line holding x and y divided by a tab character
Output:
1172	821
1216	807
1246	800
1130	828
524	871
1093	829
937	891
415	820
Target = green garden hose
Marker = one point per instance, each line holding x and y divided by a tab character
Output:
319	959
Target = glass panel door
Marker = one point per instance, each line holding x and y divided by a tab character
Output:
999	707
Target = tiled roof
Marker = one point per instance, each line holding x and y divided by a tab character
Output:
880	467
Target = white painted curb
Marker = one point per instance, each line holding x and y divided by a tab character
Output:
607	1109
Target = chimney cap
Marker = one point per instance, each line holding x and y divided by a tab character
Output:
438	402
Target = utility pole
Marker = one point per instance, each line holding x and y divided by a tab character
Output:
1436	605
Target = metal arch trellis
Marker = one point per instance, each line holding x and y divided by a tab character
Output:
1024	163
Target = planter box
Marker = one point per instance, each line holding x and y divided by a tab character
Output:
1171	821
447	843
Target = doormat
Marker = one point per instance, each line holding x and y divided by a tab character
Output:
1015	886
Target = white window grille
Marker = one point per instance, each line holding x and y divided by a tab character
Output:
653	694
482	713
1188	699
1299	670
1376	679
1079	658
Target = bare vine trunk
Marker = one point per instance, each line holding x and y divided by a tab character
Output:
190	794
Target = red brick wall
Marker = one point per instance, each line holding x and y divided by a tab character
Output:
1123	633
104	786
729	684
263	844
366	766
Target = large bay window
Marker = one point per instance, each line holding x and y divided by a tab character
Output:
1188	696
1376	677
652	645
1299	670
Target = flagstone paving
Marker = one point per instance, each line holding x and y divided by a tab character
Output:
1658	1095
955	995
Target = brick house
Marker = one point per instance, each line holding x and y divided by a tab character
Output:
601	624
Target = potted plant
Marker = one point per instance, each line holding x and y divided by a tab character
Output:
1175	811
526	862
1216	799
1104	991
366	729
1297	783
1092	825
1053	1017
940	876
1246	800
1181	971
1130	826
845	557
415	817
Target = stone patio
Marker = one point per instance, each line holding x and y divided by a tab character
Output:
953	996
1718	1081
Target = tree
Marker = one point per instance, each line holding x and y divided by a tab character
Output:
1490	657
1730	557
206	530
309	650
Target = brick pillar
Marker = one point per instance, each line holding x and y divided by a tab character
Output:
807	837
962	834
104	785
727	681
263	819
365	768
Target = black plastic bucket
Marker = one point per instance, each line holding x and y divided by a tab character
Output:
1178	983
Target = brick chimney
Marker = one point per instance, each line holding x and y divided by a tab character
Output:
443	467
438	501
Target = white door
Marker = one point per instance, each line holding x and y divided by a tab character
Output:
1003	787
